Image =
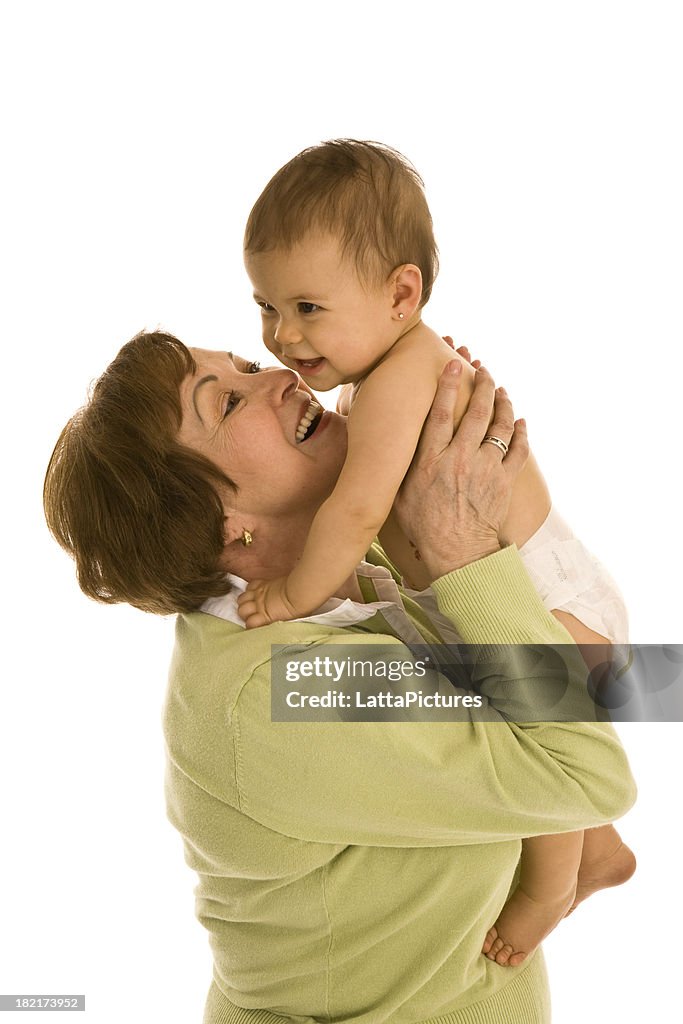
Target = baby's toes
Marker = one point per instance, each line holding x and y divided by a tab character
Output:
516	959
504	954
491	937
495	949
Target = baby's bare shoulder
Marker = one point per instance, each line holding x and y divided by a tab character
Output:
428	349
423	341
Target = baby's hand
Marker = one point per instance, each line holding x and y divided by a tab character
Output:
265	601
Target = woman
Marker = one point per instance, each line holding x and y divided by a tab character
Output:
347	870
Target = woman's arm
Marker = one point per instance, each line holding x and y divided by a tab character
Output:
495	774
492	775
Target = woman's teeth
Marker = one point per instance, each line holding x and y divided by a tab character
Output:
313	412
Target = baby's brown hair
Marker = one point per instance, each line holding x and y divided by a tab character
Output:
366	194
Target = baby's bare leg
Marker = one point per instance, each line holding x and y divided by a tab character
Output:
605	861
546	891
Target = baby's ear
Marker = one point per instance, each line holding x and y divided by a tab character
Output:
406	289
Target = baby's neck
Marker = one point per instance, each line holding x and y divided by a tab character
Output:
410	325
410	329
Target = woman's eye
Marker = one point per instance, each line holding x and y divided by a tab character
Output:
308	307
232	403
253	367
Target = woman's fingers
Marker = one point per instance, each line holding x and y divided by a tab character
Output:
518	452
437	432
511	432
465	353
499	433
469	480
475	422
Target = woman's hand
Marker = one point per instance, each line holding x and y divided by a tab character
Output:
456	494
462	351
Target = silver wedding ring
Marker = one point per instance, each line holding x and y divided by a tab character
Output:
497	441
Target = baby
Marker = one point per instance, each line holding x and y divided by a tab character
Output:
340	251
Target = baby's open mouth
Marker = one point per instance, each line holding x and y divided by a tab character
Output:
309	421
308	364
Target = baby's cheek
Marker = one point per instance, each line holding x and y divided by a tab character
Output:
273	348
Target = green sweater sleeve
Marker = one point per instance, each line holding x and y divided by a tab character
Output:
436	783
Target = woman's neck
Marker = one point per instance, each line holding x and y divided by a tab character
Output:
275	550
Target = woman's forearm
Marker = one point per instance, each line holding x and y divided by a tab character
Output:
501	775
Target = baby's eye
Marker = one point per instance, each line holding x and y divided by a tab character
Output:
265	307
253	367
308	307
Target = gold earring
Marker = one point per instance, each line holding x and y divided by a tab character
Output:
246	538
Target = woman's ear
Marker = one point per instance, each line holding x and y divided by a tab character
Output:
235	527
406	290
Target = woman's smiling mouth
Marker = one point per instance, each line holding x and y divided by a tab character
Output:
309	421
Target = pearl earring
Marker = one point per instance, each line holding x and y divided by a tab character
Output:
401	316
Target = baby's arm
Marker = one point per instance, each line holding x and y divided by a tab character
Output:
383	429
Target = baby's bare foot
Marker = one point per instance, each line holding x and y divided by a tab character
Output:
522	925
613	869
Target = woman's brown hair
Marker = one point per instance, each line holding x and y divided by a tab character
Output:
140	513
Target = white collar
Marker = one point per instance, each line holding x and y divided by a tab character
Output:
335	612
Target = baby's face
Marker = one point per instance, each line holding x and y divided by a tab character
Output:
317	317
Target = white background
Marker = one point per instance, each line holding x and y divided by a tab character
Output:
135	138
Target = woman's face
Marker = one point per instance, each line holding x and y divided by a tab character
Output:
246	421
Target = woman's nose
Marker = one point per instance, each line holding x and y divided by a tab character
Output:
279	382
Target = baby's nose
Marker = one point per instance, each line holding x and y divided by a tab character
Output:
287	333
